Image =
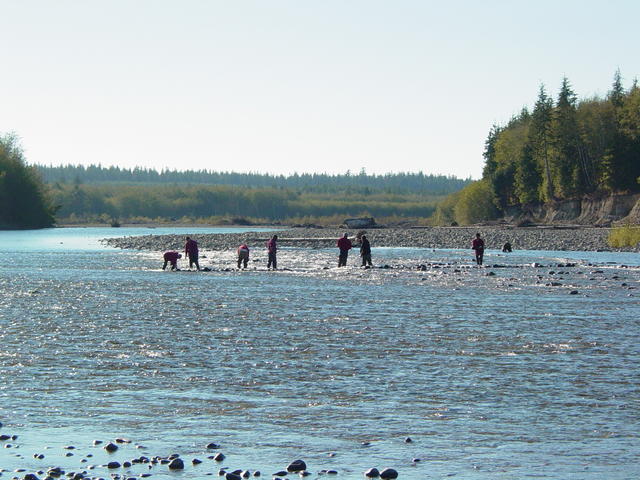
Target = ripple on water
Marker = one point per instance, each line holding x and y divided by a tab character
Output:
302	362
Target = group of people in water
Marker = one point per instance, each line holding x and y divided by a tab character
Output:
344	245
190	251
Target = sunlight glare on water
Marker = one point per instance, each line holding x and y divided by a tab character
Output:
498	375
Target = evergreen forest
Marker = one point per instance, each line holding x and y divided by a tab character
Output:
398	183
564	148
97	194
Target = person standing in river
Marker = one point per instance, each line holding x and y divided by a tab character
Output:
243	255
365	251
191	251
344	244
272	249
478	246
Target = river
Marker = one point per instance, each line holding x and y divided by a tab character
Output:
527	368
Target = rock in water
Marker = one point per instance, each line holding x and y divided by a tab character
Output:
388	473
111	447
176	464
296	466
372	473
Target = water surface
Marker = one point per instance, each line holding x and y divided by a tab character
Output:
497	372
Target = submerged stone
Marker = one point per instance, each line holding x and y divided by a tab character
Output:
176	464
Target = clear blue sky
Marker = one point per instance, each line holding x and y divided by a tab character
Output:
292	85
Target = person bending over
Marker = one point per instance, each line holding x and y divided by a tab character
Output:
243	255
172	258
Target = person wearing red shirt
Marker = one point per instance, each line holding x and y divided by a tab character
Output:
478	246
171	257
191	251
243	255
344	244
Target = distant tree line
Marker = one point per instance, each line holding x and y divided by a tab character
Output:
562	149
305	182
99	194
23	198
105	203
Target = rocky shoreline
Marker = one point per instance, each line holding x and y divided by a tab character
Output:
120	459
568	238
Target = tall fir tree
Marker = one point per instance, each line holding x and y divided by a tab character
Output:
490	151
620	163
616	95
527	176
541	138
567	174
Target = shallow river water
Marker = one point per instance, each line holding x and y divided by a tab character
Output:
526	368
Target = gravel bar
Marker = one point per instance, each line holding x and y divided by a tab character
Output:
521	238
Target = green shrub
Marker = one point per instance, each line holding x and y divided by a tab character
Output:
475	204
624	236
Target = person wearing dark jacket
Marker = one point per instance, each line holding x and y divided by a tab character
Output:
191	251
272	249
478	246
171	257
365	251
344	244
